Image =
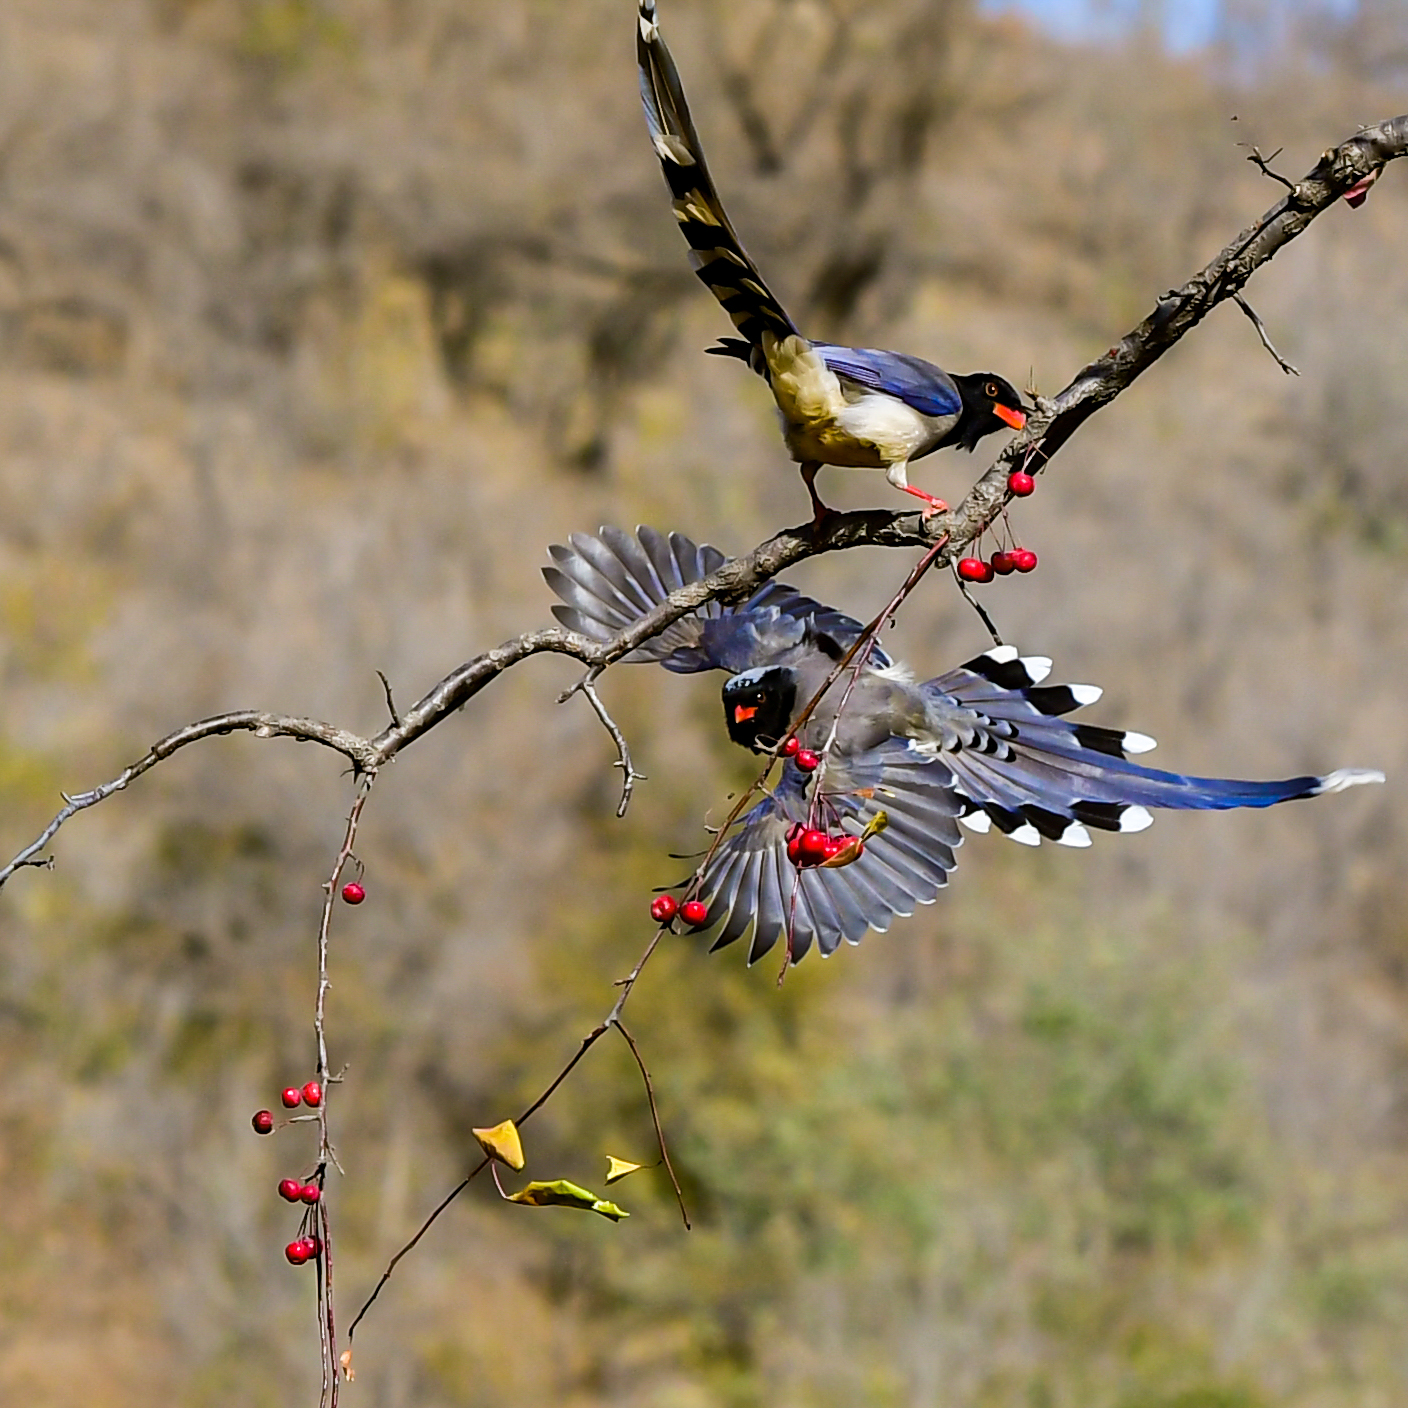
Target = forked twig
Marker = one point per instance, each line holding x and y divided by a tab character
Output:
586	685
1263	164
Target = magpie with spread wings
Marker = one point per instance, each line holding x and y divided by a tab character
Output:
987	746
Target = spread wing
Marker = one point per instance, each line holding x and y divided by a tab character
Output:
750	884
609	581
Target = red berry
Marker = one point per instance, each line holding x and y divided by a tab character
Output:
1002	564
974	569
813	845
807	760
1021	484
353	893
794	841
694	912
313	1094
290	1189
315	1246
1023	559
789	747
292	1098
263	1122
310	1193
663	908
298	1251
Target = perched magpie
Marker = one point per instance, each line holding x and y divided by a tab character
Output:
858	407
986	745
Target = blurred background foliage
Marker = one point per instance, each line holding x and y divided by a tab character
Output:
317	323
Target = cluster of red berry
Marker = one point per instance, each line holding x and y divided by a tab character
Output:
306	1245
663	909
803	757
974	569
303	1249
1002	563
292	1191
808	847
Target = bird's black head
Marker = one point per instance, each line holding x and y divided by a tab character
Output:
758	706
989	404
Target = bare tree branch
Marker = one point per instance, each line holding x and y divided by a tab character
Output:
1339	170
257	722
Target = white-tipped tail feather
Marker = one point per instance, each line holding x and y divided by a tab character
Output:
1342	778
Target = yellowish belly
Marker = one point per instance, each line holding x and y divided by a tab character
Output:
827	443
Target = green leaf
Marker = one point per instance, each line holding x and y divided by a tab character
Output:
562	1194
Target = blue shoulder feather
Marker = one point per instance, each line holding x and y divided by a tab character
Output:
919	384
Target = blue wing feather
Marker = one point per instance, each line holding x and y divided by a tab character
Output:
919	384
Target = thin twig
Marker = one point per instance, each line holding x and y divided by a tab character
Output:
327	1329
1261	333
327	1326
979	608
655	1119
424	1228
390	701
587	686
1263	164
856	660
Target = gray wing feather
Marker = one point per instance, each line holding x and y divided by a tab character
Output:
750	883
608	581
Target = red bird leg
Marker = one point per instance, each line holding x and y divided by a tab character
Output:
935	505
819	509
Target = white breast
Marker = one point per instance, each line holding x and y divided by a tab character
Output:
897	431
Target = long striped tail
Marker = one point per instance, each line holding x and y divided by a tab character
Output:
1038	775
716	254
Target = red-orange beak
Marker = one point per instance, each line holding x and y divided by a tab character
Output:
1016	419
743	712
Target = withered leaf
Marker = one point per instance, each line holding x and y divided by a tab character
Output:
502	1143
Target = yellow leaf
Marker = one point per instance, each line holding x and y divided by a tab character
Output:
562	1194
502	1143
618	1168
855	846
345	1359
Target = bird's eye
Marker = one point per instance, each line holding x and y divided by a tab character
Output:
990	391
